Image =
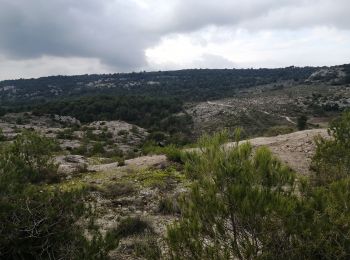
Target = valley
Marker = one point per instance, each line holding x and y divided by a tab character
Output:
130	151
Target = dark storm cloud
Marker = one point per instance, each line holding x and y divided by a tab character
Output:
260	14
107	30
194	14
117	32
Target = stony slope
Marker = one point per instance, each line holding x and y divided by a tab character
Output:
140	188
294	149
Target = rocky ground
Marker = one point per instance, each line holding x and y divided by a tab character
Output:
294	149
144	190
258	109
139	190
147	187
72	134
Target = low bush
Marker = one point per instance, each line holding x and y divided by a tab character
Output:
278	130
66	134
173	153
148	248
332	158
132	226
168	205
245	205
164	180
29	158
121	161
302	122
38	222
2	136
118	189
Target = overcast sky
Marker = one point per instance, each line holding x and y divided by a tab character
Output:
50	37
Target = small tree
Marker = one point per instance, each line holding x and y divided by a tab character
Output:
249	206
302	122
236	206
2	111
332	158
30	155
2	136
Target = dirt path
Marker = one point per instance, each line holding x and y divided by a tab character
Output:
218	104
289	120
295	149
286	117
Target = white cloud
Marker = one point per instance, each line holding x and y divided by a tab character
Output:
243	48
50	65
124	35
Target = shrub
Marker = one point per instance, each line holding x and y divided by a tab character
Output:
278	130
30	158
157	136
150	147
332	158
168	205
19	121
66	134
2	136
236	202
302	122
97	148
118	189
2	111
121	161
147	247
38	222
319	228
130	154
250	206
164	180
134	129
114	152
123	133
173	153
81	150
132	226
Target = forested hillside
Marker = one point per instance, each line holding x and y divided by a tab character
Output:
188	103
189	85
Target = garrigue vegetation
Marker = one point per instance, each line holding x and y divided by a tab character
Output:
242	204
188	85
302	122
144	111
155	114
38	222
331	161
131	97
246	205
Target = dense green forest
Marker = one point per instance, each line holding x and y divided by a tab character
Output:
154	114
142	110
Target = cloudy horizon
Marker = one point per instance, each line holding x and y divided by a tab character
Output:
67	37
